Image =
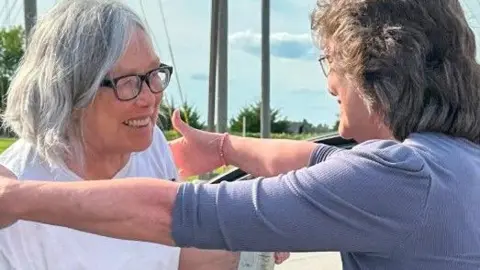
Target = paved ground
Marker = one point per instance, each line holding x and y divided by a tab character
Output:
312	261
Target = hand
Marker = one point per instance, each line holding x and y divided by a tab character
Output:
197	151
6	216
280	257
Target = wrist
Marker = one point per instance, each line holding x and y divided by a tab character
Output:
224	138
227	150
10	202
24	198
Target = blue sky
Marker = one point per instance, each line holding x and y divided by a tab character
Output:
298	87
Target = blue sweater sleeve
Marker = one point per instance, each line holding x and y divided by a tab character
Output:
356	200
322	152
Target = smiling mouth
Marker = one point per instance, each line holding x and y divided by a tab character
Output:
138	123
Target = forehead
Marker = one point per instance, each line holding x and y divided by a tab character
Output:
138	57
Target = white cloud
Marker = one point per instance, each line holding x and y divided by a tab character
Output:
282	44
199	77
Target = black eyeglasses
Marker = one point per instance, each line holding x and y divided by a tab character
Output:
325	64
128	87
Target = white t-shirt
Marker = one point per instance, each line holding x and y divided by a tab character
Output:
35	246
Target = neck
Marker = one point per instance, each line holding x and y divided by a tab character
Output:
385	133
376	131
98	165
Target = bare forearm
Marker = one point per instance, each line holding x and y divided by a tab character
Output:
133	210
267	157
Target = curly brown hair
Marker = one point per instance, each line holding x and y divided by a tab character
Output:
413	61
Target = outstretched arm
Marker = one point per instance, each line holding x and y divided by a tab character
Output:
199	152
267	157
133	210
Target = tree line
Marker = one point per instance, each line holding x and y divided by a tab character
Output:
251	114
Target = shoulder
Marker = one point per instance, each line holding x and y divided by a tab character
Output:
420	152
19	158
388	179
374	164
379	169
391	155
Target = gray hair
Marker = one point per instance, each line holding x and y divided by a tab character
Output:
414	62
71	49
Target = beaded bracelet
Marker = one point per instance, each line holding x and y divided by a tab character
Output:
221	148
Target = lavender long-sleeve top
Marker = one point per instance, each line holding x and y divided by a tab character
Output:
383	205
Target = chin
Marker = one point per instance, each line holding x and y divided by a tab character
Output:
139	146
358	136
349	134
343	132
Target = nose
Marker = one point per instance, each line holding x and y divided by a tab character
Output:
146	98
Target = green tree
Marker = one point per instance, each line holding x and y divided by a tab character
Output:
335	126
12	42
252	115
323	128
337	123
188	113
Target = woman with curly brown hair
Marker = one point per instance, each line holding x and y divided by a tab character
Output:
406	197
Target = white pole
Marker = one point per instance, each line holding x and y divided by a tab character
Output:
30	15
244	127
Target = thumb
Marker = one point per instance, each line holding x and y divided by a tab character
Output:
178	124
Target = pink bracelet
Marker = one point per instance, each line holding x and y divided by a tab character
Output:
221	149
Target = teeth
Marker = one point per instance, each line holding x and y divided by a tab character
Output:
138	122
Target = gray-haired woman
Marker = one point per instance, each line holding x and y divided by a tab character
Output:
407	197
84	105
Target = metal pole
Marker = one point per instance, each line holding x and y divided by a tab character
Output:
222	88
30	15
265	124
244	127
212	79
7	18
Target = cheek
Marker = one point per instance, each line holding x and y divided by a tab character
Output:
355	109
98	124
103	117
356	103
